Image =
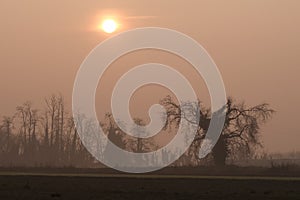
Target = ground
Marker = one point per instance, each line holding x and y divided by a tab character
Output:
154	187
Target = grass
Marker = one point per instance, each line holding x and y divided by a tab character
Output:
151	176
18	185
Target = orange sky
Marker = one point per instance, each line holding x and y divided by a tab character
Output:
255	44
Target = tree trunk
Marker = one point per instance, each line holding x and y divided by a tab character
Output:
220	152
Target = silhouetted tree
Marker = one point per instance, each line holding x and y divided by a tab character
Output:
114	133
6	129
138	144
241	128
42	138
27	116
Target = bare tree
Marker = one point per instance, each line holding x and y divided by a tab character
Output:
114	133
240	131
28	118
53	122
6	127
138	144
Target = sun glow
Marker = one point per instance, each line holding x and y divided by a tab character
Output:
109	26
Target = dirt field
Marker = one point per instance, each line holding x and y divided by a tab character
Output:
145	187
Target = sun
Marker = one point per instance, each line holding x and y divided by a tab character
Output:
109	26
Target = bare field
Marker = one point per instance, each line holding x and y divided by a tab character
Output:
81	186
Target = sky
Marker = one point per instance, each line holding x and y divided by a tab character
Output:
254	43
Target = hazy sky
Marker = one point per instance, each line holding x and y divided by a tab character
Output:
255	44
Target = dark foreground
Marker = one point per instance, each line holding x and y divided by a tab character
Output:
145	187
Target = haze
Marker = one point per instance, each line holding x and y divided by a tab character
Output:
255	44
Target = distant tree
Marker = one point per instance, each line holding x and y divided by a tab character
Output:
240	131
6	129
122	139
27	117
114	133
138	144
8	141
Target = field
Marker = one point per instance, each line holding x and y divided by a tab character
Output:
122	186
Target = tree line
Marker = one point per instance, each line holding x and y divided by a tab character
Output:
48	137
